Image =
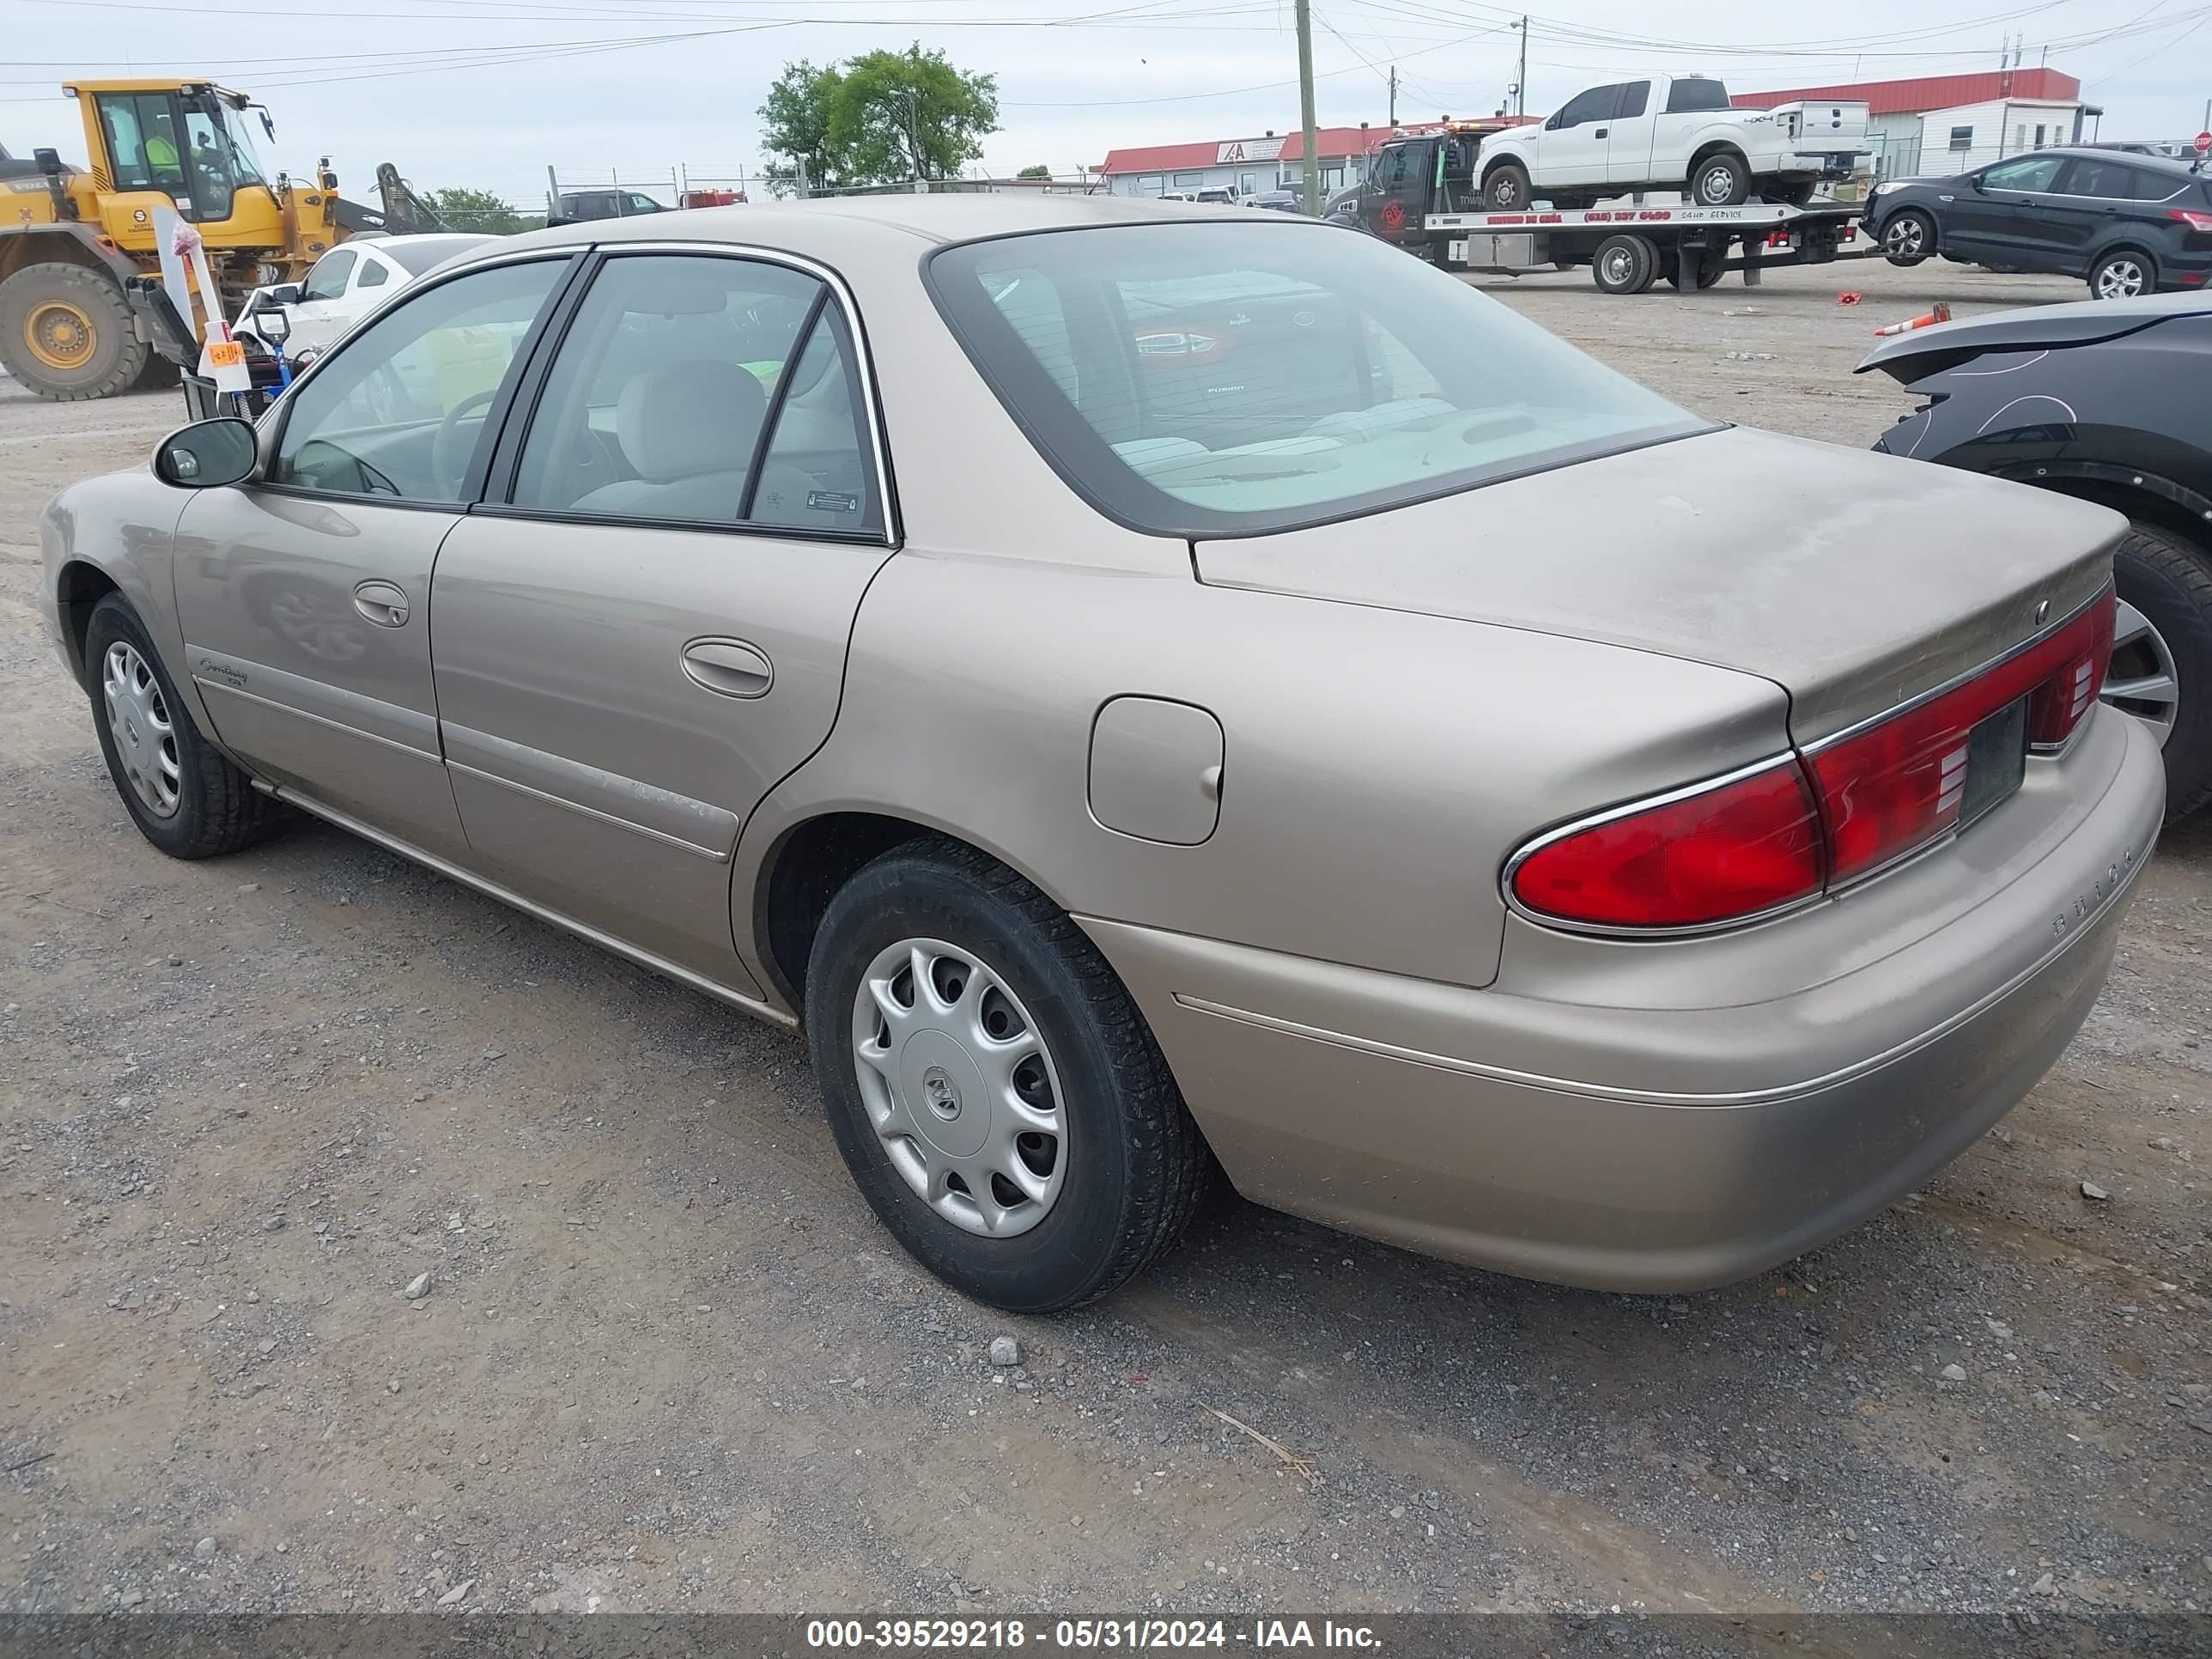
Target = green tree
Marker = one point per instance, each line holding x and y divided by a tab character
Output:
1039	171
481	212
878	118
795	125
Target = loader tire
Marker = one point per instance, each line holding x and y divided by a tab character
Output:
65	333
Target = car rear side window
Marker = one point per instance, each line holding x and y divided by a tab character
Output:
659	403
2108	180
1635	98
1220	378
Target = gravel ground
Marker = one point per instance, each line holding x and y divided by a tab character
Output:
663	1359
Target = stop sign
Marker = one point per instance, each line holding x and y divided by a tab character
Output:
2203	142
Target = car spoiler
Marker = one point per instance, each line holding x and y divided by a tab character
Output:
1926	351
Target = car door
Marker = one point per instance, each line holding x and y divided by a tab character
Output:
643	628
1691	100
1628	137
2003	215
318	315
2096	197
304	594
1571	150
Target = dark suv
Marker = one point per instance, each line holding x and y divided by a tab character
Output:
575	204
2131	224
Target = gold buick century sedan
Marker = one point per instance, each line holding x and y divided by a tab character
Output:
1160	690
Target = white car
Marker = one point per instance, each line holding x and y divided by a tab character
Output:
1673	132
348	282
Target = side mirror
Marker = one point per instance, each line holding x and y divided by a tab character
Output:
284	293
206	455
49	162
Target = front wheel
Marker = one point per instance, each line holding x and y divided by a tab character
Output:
1721	180
2122	275
184	796
1908	237
2162	667
998	1097
1506	188
65	333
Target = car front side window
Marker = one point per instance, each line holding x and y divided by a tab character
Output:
2034	172
328	279
397	411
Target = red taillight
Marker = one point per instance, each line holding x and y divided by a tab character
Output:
1755	843
1898	784
2191	217
1733	850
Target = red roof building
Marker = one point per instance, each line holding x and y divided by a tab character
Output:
1273	147
1929	92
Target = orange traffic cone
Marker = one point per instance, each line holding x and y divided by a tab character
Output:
1940	314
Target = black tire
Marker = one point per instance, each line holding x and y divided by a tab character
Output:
1626	264
2124	273
1137	1167
159	374
1505	188
1720	179
2170	582
1788	192
53	297
1907	237
218	810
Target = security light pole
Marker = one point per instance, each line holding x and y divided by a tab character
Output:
1313	203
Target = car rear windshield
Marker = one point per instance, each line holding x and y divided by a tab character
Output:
1214	379
1692	93
416	258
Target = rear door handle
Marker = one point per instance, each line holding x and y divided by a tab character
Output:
382	603
729	668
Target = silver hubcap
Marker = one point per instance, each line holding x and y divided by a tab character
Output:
1619	266
1905	236
2123	279
2142	681
1507	190
1716	186
138	721
960	1087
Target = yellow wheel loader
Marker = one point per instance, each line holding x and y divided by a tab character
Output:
82	312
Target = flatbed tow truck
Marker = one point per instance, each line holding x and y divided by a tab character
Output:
1421	193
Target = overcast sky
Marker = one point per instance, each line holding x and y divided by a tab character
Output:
444	87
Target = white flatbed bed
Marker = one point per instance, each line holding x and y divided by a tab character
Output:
1628	247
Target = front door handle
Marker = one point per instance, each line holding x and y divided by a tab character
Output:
729	668
1601	132
382	603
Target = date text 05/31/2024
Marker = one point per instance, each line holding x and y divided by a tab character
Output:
1259	1634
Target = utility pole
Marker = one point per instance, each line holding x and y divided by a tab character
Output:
1521	76
1393	96
1306	109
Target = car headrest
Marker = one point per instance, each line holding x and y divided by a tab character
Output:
686	418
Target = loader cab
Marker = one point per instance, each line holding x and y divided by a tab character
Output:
189	141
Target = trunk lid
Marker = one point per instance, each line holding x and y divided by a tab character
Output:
1855	581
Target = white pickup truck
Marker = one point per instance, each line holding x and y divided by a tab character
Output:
1673	132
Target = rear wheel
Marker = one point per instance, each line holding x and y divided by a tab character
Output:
1626	264
1908	237
2161	667
997	1096
183	794
1709	268
66	334
1505	188
2122	275
1790	193
1720	179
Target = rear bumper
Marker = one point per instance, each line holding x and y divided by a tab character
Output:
1659	1147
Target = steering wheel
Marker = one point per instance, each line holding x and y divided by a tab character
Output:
449	451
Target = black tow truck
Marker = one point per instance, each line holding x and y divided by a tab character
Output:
1422	192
